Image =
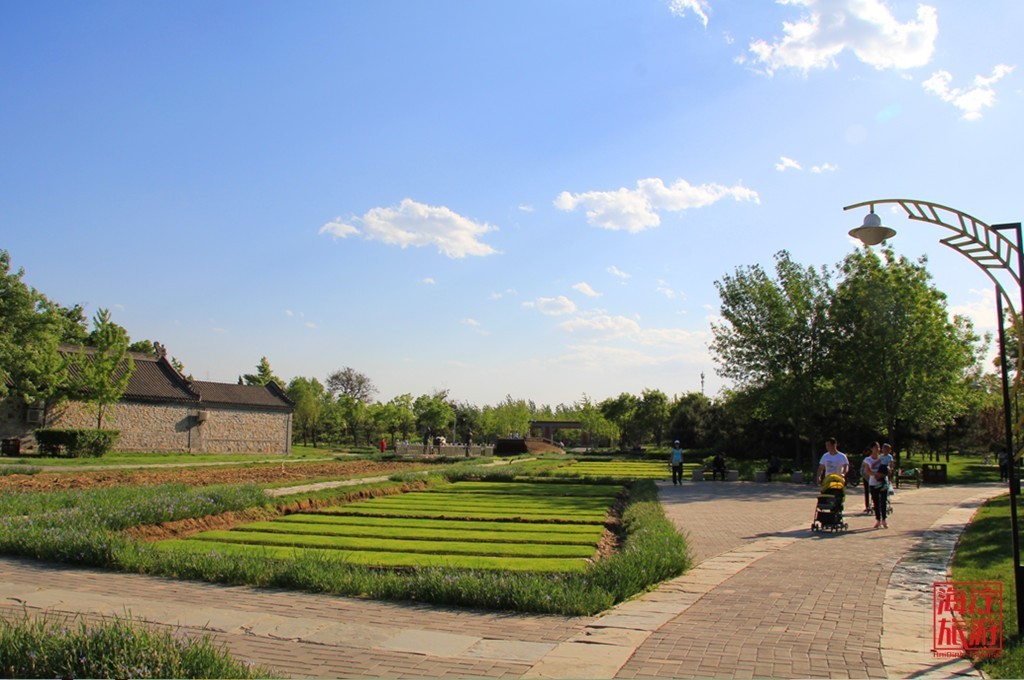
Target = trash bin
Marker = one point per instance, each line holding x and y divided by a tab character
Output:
933	473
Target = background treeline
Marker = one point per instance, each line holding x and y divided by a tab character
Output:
862	350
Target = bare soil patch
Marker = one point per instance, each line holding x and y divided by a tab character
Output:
257	474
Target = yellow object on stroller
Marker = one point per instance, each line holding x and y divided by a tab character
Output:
828	514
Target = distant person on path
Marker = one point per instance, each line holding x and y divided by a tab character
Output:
833	461
877	474
718	467
870	450
676	463
774	467
426	440
1004	467
383	445
889	461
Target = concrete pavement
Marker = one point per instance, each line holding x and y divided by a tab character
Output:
767	598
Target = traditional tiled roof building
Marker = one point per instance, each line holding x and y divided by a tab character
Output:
161	410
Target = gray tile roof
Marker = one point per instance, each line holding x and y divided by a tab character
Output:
155	380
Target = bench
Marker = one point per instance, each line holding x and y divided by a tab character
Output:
912	475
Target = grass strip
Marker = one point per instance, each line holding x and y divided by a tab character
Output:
181	550
983	554
562	529
464	534
594	518
378	544
52	646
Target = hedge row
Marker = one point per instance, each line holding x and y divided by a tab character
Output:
76	443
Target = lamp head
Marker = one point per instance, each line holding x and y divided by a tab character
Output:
871	233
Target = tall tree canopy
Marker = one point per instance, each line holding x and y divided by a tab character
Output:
776	338
899	356
263	375
102	375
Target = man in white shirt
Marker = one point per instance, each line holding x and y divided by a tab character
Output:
833	461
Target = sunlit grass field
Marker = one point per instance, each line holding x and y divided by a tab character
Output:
520	526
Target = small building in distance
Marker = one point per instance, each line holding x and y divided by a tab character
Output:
163	411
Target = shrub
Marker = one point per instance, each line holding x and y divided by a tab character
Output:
76	443
52	646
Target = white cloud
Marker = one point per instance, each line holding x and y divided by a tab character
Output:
475	325
339	229
584	287
310	324
699	7
429	281
823	168
526	208
619	327
786	163
667	291
497	295
416	224
615	271
865	27
972	100
634	210
558	306
289	312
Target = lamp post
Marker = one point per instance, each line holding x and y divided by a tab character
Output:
1002	261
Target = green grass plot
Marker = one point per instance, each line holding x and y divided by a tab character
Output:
493	525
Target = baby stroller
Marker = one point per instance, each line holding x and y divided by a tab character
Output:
828	514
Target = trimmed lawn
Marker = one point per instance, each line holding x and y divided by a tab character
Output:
626	469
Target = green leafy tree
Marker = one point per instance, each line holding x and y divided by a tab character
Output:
598	428
621	411
262	376
776	338
899	357
692	419
433	412
102	375
506	418
404	416
308	395
31	330
651	415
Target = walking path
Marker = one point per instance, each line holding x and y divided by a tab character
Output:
767	598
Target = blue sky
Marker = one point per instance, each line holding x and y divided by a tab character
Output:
523	198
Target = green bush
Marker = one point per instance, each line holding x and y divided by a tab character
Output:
51	646
76	443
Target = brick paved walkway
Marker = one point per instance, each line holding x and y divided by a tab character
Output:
767	599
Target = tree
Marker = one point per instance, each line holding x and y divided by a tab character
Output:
262	376
308	395
692	420
776	338
101	376
506	418
899	357
433	412
351	383
405	417
620	411
652	415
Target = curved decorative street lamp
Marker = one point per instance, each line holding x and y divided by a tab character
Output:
987	247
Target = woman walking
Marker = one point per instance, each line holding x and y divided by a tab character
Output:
877	474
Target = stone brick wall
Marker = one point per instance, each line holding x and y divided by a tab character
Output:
165	428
